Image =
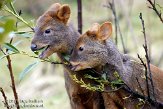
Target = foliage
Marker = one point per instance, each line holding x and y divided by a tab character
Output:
88	86
10	26
101	82
116	82
5	28
11	47
28	69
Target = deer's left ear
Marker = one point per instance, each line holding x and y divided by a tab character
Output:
64	13
105	31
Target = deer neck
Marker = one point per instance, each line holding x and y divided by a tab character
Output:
115	60
73	36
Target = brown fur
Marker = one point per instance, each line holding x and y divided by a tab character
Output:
99	50
61	39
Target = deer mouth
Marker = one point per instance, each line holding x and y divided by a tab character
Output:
45	52
76	67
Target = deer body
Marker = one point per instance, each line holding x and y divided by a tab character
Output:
56	35
94	49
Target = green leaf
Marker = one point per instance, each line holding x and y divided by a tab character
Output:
27	70
17	43
20	32
9	25
11	47
116	82
6	27
25	34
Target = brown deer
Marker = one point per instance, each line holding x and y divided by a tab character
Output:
56	35
94	49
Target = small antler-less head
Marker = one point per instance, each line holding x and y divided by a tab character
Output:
51	30
91	49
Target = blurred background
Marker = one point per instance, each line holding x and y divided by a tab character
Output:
46	82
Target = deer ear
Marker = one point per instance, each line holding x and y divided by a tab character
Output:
55	7
64	13
105	31
93	30
52	11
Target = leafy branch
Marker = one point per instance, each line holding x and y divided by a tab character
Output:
88	86
101	83
15	14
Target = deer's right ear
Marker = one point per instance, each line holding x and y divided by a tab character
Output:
52	11
64	13
105	31
94	29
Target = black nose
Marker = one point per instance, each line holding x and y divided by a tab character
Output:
33	47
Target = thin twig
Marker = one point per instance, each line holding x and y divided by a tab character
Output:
58	63
26	54
109	91
18	17
15	12
146	75
10	43
79	2
13	81
147	56
153	6
112	7
140	86
12	78
135	94
12	7
19	13
2	50
5	98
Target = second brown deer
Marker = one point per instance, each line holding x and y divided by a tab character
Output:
94	49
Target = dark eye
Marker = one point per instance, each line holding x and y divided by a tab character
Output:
93	35
81	48
47	31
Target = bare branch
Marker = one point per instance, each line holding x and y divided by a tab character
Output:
153	7
2	50
140	86
112	7
12	78
150	100
147	58
117	27
13	82
80	16
5	98
146	75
